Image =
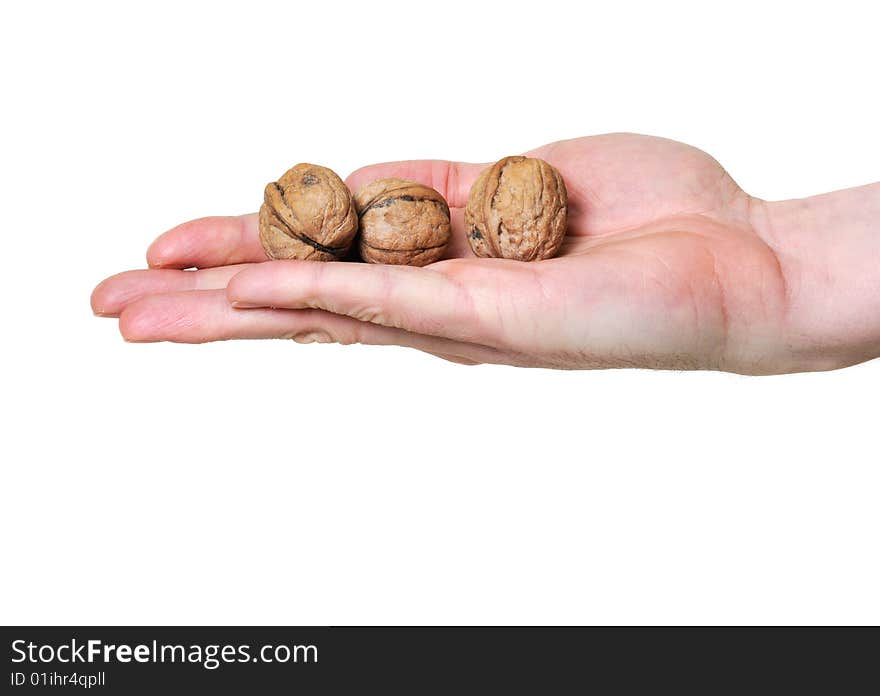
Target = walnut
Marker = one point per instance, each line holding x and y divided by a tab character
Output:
402	222
307	214
517	210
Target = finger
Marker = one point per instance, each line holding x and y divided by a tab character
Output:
459	247
111	296
205	315
453	358
453	299
208	242
453	180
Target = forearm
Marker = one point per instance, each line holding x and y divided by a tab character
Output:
828	248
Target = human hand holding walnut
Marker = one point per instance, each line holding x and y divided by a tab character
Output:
665	263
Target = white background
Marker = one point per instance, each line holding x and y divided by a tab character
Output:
271	482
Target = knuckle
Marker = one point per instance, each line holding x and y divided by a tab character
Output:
370	314
313	337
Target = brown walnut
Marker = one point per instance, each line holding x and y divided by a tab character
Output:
307	214
517	210
402	222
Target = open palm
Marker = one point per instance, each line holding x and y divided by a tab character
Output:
662	266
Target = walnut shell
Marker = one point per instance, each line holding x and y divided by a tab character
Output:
402	222
307	214
517	209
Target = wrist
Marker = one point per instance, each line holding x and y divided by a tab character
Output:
828	249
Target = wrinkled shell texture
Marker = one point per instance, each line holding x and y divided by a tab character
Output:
307	214
402	222
517	209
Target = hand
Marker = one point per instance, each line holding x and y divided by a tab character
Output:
667	264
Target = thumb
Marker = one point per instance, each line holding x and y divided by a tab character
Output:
452	180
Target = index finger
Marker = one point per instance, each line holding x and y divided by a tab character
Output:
207	243
225	241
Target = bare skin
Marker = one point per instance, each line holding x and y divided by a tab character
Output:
667	264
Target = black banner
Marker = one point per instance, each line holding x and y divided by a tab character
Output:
318	660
